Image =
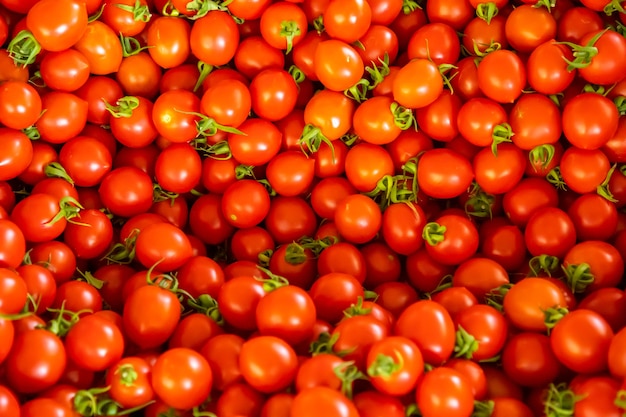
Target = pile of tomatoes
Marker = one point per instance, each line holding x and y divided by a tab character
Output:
312	208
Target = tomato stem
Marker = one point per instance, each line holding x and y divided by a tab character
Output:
32	132
127	374
620	399
583	54
545	264
56	170
378	72
466	344
358	92
603	189
483	408
487	11
501	133
124	107
273	281
356	309
131	46
384	366
548	4
311	140
554	177
289	29
69	209
541	155
347	372
614	6
297	74
559	401
579	277
553	315
295	254
403	117
324	343
495	297
264	257
207	305
318	24
90	279
140	12
24	48
433	233
409	6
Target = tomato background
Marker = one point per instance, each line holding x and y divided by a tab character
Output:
353	208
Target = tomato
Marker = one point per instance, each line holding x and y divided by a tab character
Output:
16	154
547	70
169	38
435	335
207	221
97	92
358	218
438	120
64	117
57	25
417	84
45	406
583	170
494	276
474	373
598	396
228	102
126	191
322	400
576	23
599	226
606	66
78	296
464	79
21	105
150	315
480	34
214	38
527	197
401	224
502	76
394	365
377	42
254	55
487	326
528	360
366	164
356	334
268	363
598	261
173	118
609	303
456	14
257	143
343	257
90	235
9	405
550	231
438	42
57	257
510	407
581	341
375	121
283	25
101	47
332	293
535	120
451	239
589	133
527	27
444	391
127	17
66	70
222	353
182	378
36	361
338	66
499	173
94	343
129	379
435	175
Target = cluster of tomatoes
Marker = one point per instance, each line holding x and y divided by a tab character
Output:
305	208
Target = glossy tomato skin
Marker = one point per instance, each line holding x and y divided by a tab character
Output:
34	351
16	154
150	316
57	25
581	341
435	336
182	378
169	38
550	231
460	239
122	199
268	363
436	178
90	235
329	402
94	343
444	391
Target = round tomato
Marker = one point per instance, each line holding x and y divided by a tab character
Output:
444	391
268	363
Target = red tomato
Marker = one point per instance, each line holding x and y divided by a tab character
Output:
182	378
502	76
443	173
417	84
394	365
581	341
214	38
338	65
444	391
169	38
550	231
268	363
329	402
528	360
358	218
57	25
451	239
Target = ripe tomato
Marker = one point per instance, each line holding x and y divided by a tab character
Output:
129	379
502	76
42	406
90	234
268	363
535	120
444	391
332	293
57	25
173	118
126	191
21	105
528	360
437	179
435	334
12	246
94	343
338	66
487	326
175	249
9	405
586	132
287	312
538	25
581	341
401	225
526	302
394	365
358	218
182	378
326	401
169	38
36	361
550	231
438	120
494	276
101	47
228	102
214	38
547	69
608	65
273	94
583	170
438	42
451	239
150	315
257	143
283	25
499	173
417	84
127	17
222	353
